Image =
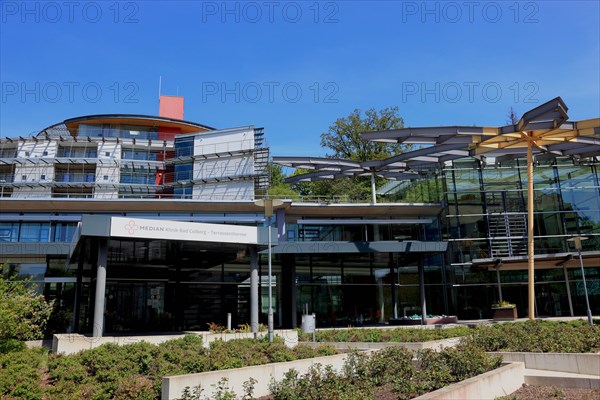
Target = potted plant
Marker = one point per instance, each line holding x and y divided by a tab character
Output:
504	311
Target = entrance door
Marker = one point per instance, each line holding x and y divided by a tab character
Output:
134	306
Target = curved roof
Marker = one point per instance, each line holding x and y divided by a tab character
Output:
72	124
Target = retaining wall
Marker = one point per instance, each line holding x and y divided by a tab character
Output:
490	385
173	386
70	343
577	363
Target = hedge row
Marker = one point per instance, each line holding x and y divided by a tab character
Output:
389	373
132	371
385	335
538	336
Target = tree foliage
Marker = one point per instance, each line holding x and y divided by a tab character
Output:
344	140
279	189
23	313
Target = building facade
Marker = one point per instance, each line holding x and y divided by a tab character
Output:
451	240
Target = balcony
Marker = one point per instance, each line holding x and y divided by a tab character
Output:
70	177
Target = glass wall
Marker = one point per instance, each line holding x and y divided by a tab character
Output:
118	131
487	218
359	289
37	231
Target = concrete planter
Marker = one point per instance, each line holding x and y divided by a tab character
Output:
173	386
70	343
490	385
428	321
505	313
576	363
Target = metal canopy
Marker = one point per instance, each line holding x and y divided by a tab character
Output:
548	128
544	131
552	136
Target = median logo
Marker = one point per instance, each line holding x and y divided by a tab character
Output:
131	227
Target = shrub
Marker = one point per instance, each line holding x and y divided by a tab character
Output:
134	371
20	376
23	313
537	336
386	335
391	368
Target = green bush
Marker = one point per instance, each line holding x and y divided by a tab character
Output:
537	336
23	313
390	369
135	371
386	335
20	374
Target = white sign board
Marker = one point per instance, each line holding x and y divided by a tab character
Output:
176	230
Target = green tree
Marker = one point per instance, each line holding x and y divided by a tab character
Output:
23	313
343	136
279	189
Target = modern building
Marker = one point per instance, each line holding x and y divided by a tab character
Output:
150	224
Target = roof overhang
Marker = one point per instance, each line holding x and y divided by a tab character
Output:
388	246
72	124
546	127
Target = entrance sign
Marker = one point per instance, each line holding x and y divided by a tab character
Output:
177	230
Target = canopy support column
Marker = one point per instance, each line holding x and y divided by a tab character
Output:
530	244
422	290
253	289
373	189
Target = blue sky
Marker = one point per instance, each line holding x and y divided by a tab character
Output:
295	67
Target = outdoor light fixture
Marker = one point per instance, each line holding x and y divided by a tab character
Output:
577	241
269	205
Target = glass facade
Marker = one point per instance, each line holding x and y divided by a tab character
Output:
486	218
118	131
481	213
37	231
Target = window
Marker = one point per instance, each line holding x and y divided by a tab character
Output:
24	177
34	232
9	231
105	177
63	231
107	154
43	177
26	154
45	153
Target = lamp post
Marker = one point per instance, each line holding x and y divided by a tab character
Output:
268	205
577	241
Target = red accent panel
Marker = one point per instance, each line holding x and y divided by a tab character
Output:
171	107
165	133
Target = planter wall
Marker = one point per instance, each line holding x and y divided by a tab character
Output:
490	385
173	386
70	343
